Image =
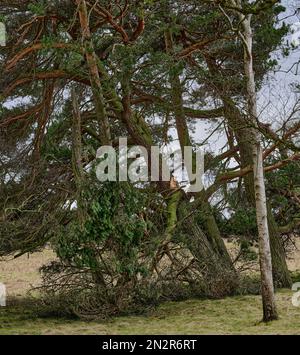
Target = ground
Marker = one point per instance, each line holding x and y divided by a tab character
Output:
232	315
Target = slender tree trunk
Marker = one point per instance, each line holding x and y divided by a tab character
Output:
268	297
91	59
77	157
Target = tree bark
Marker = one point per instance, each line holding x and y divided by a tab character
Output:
268	297
77	157
219	276
91	59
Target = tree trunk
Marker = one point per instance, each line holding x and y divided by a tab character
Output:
268	297
219	276
91	59
77	157
212	230
281	275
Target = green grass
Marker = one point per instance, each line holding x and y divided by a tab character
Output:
232	315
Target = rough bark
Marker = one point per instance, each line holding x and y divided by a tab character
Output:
91	59
77	157
220	278
281	275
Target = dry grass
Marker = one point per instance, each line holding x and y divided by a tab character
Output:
293	259
20	274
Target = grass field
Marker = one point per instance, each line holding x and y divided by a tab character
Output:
234	315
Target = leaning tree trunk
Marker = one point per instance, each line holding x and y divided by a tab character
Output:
268	297
269	307
211	228
210	253
219	276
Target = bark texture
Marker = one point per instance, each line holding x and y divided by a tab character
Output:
267	287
